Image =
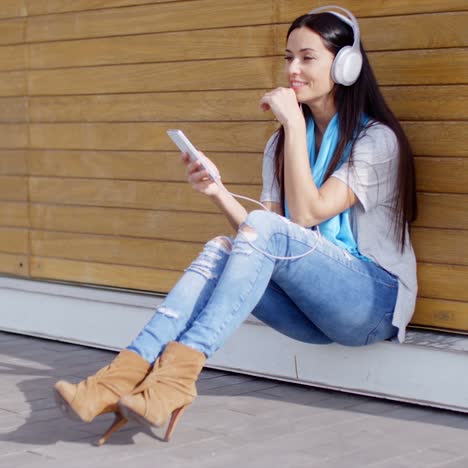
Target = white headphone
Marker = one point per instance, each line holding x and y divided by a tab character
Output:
348	61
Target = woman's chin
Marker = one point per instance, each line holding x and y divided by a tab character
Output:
301	96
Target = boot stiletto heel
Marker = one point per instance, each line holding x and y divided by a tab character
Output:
176	415
119	421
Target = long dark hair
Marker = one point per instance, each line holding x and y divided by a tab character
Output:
352	102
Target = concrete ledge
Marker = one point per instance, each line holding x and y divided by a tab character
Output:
429	369
90	316
412	372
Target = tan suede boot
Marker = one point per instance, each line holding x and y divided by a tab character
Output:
168	389
100	393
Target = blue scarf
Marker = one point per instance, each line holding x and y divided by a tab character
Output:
336	229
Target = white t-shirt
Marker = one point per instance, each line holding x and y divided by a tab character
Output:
372	178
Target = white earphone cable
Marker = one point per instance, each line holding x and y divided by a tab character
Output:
295	257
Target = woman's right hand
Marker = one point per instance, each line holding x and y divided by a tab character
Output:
198	177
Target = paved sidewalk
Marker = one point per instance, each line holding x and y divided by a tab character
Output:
237	421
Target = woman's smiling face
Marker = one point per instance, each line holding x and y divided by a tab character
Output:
308	67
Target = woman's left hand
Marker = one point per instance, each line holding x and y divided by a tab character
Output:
283	103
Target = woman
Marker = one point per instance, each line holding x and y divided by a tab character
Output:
331	261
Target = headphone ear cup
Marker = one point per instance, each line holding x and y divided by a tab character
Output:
346	66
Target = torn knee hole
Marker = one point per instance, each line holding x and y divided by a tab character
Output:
224	242
168	312
248	232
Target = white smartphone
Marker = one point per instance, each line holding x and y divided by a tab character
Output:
184	144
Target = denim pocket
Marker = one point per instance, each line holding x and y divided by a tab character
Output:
383	331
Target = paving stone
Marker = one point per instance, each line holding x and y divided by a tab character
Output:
241	388
8	421
406	438
221	381
461	463
6	337
211	373
445	418
375	407
60	346
18	459
82	357
421	458
297	391
236	420
78	371
38	410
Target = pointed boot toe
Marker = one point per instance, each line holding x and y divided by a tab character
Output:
66	390
64	393
69	398
100	393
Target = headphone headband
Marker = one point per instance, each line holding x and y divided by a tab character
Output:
351	21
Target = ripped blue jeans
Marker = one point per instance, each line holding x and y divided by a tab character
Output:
326	296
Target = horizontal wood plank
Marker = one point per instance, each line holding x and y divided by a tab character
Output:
204	75
431	245
232	136
14	240
112	249
407	102
210	44
450	315
14	264
425	67
13	83
132	165
443	281
440	246
290	9
442	211
426	138
12	31
13	162
449	175
14	214
138	278
408	32
14	109
421	67
13	136
167	225
423	31
127	194
13	188
13	57
428	102
43	7
172	16
433	174
287	9
13	8
438	138
228	105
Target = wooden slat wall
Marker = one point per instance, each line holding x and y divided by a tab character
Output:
90	187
